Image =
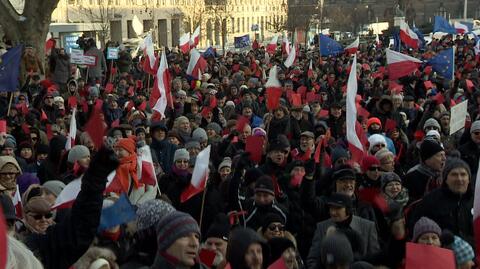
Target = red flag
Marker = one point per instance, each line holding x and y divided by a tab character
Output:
196	65
273	98
439	98
242	121
312	97
272	46
400	65
22	108
25	128
184	43
355	145
310	70
109	88
161	95
95	128
318	151
148	176
324	113
469	85
419	256
390	125
3	126
254	145
409	37
353	47
72	101
131	91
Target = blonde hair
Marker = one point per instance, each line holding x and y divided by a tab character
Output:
20	257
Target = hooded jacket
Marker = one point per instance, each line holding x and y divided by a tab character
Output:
238	243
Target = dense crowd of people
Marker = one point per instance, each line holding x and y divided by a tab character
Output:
305	203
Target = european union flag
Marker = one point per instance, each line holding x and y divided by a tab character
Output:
10	69
420	36
242	41
119	213
397	44
444	63
442	25
328	46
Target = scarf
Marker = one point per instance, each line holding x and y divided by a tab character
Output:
434	180
127	169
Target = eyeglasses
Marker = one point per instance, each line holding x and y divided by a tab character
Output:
274	227
374	168
182	161
40	216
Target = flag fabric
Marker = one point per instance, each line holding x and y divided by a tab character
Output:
422	42
291	57
328	46
195	39
197	64
147	174
461	28
242	41
377	41
310	70
274	89
444	63
442	25
408	36
354	144
353	48
10	69
477	47
72	133
199	175
210	52
95	128
149	50
120	212
400	65
278	264
285	45
184	43
272	45
17	203
161	87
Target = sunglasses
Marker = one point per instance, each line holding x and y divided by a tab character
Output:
380	145
374	168
182	161
274	227
40	216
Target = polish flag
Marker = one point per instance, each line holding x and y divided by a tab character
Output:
476	215
377	41
17	203
461	28
285	45
400	65
477	47
353	48
147	173
310	70
161	87
199	176
274	89
354	144
267	58
149	51
185	43
291	57
72	133
409	37
272	46
196	64
195	39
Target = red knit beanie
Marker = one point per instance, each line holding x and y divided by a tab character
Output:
369	161
374	120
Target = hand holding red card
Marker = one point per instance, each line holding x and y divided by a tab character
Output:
419	256
254	146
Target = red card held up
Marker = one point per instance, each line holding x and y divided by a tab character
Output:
296	99
109	88
390	125
207	257
278	264
241	122
72	101
273	98
419	256
254	145
428	84
3	126
95	128
324	113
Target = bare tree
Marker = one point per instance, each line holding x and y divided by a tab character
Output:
218	12
99	16
29	27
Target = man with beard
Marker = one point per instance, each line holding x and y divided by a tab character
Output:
306	147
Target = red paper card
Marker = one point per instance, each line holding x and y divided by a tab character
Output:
99	104
273	98
296	99
207	257
115	123
419	256
312	97
289	94
95	128
374	197
469	85
254	145
3	126
131	91
390	125
72	101
439	98
241	122
279	264
324	113
49	131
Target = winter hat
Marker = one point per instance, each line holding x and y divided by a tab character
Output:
181	119
151	212
54	186
344	173
425	225
214	126
127	144
220	228
9	144
361	265
43	149
230	103
238	243
339	152
199	135
428	148
462	250
278	144
389	177
259	132
369	161
376	139
227	162
431	123
433	134
78	152
374	120
181	154
277	246
306	109
99	263
192	144
340	200
383	153
7	207
174	226
265	184
37	204
336	250
453	163
271	218
475	126
25	180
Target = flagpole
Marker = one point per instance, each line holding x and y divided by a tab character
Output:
10	103
203	206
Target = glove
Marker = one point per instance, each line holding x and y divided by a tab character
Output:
102	164
310	168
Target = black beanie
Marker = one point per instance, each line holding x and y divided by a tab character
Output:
251	175
453	163
265	184
428	148
220	228
270	218
336	250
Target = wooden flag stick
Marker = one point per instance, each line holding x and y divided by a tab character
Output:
203	206
10	103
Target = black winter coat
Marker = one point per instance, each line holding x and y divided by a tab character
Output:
470	153
164	151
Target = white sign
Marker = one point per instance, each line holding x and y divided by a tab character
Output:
89	60
76	56
112	53
458	114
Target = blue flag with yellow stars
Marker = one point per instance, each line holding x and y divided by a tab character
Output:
329	47
10	69
444	63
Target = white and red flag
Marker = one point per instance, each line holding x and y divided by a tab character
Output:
408	36
184	43
272	45
310	69
195	39
353	48
354	140
159	99
17	203
196	64
400	65
150	63
286	44
72	133
291	57
461	28
199	175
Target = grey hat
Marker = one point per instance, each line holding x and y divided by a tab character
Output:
336	250
199	135
227	162
174	226
181	154
214	126
475	126
308	134
431	123
389	177
151	212
425	225
192	144
78	152
54	186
